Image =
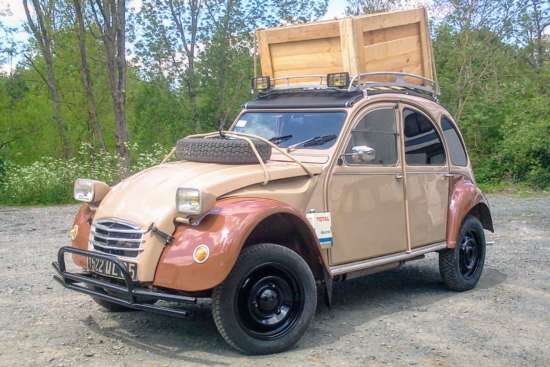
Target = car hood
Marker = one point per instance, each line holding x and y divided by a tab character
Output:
149	196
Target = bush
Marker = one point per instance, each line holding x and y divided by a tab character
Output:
50	180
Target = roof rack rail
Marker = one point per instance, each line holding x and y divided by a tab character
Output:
399	82
322	81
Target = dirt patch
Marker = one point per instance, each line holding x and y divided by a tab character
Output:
400	318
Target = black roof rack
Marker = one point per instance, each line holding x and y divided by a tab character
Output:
318	95
305	98
387	81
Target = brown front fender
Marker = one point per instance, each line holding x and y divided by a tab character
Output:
465	199
225	231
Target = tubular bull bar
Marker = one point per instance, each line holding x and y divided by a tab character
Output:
131	295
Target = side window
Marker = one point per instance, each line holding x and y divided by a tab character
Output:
377	130
456	149
423	146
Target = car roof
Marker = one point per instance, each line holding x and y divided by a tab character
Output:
302	98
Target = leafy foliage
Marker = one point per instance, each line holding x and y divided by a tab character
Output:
492	60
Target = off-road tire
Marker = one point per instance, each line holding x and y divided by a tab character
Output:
455	273
221	150
227	296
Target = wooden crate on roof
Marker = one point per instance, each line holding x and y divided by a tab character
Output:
395	41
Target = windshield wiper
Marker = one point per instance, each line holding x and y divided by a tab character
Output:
280	139
317	140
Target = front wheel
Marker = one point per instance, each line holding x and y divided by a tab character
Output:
267	302
461	267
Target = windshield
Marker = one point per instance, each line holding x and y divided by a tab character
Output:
304	130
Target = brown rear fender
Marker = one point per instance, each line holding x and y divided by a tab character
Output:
466	199
232	224
83	220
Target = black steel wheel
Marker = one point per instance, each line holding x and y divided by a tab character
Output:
462	266
470	253
267	302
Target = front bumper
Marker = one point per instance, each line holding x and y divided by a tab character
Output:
130	295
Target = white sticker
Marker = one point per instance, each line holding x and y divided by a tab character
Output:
321	222
241	123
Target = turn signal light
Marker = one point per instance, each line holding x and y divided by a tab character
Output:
201	253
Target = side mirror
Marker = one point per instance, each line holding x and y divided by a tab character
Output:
361	154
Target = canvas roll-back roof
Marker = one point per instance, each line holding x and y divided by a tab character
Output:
285	99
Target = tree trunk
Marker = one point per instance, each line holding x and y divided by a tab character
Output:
110	17
189	47
42	35
95	125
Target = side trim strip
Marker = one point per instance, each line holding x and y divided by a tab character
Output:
370	263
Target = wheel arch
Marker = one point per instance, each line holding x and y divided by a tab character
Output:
466	199
293	232
230	226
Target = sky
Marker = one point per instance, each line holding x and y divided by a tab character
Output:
16	17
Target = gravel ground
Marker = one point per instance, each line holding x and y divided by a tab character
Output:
400	318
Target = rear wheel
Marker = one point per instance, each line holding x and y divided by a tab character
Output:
462	266
267	302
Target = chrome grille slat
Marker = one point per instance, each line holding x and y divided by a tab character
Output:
104	228
116	248
117	237
120	239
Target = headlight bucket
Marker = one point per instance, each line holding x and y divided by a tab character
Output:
90	191
190	201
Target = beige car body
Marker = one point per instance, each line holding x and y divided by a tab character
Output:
381	216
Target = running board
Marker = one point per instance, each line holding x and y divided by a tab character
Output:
388	259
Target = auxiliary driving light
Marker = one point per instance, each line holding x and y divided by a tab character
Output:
338	80
261	83
201	253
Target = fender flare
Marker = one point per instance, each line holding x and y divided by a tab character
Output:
466	199
224	230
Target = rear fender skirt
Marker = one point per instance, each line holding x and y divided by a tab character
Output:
465	198
224	230
83	221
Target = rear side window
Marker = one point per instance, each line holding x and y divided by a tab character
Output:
456	148
423	146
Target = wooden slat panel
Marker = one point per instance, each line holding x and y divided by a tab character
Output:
306	57
426	48
320	46
385	50
399	63
265	54
396	41
390	34
388	20
349	47
302	32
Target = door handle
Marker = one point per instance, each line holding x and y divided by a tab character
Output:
399	176
447	174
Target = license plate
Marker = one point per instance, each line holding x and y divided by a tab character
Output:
108	268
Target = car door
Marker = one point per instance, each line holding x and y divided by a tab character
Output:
365	191
427	177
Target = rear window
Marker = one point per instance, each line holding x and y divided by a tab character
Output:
456	148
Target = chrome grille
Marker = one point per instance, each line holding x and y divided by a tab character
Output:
117	237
